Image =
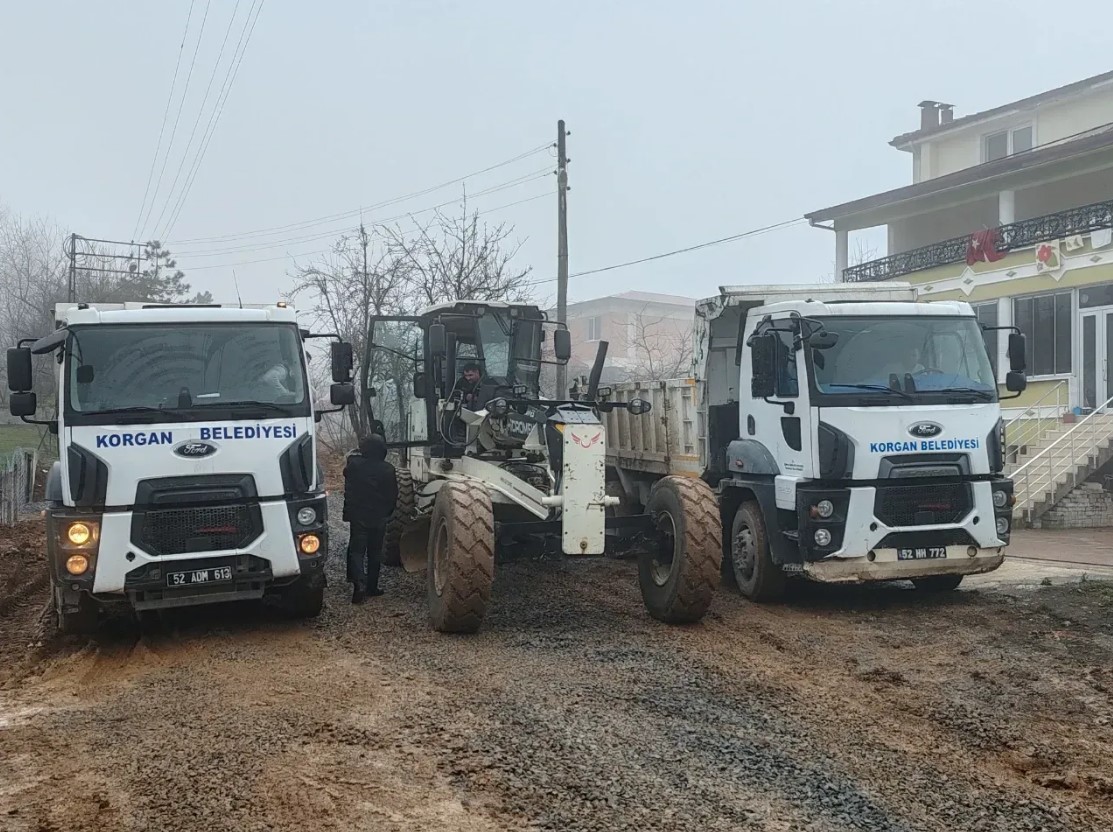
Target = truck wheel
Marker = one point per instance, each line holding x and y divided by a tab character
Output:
678	580
304	599
758	578
461	557
79	622
937	583
400	519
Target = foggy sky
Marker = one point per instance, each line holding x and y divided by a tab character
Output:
690	121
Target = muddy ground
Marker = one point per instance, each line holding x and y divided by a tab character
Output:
878	709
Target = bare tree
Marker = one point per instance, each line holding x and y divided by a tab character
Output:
662	347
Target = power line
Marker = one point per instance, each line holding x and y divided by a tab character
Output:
214	119
545	195
262	246
177	117
271	231
200	111
754	232
165	114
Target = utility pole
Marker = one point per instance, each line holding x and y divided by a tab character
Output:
562	249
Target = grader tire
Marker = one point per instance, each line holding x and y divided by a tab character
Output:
678	581
461	557
400	519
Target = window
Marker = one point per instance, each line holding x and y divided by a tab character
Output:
594	328
787	382
1007	142
1045	321
988	316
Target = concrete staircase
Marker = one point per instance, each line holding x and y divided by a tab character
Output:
1055	457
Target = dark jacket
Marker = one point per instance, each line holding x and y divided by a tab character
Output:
370	490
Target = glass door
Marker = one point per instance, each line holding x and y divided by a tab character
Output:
1097	357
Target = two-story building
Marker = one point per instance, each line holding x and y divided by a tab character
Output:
1011	209
649	335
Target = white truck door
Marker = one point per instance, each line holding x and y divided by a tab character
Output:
782	424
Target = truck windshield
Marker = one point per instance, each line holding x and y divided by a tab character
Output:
939	354
198	367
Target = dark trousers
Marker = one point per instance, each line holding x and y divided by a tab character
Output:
365	554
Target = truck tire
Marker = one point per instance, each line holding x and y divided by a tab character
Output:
304	598
400	519
757	577
461	557
79	622
937	583
678	580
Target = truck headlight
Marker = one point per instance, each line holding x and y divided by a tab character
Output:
307	516
309	544
638	406
1002	525
79	534
1000	499
822	537
77	564
824	509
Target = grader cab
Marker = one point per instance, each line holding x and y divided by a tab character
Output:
492	469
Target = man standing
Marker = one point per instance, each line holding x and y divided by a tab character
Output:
370	493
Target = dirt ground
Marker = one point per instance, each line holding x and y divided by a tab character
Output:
878	709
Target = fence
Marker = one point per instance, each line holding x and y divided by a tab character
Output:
17	483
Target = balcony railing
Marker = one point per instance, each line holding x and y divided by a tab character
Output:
1013	236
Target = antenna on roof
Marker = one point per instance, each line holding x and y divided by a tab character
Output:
236	283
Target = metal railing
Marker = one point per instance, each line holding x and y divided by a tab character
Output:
1011	237
1031	426
1059	463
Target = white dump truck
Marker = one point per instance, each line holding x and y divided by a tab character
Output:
850	433
187	471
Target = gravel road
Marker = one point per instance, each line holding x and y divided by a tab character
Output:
878	709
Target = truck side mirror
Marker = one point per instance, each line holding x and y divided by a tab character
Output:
437	341
1018	362
342	361
23	404
562	344
763	358
1016	382
823	340
19	370
420	391
342	394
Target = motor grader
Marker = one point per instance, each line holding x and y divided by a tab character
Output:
498	471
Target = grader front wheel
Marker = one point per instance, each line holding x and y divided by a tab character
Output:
400	520
678	577
461	557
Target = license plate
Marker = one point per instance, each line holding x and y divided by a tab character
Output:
215	575
924	553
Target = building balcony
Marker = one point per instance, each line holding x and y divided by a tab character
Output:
1012	237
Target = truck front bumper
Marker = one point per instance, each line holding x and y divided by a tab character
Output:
883	565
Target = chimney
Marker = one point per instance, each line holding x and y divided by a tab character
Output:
946	113
929	115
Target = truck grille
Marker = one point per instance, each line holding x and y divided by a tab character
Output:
202	529
922	505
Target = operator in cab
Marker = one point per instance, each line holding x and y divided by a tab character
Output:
469	385
370	493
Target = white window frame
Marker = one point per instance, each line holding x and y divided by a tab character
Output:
1008	131
595	328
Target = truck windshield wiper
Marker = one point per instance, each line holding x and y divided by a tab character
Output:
987	395
135	408
881	388
245	403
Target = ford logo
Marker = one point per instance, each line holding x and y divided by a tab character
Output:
195	448
925	430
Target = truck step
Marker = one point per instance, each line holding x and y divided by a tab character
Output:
792	535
